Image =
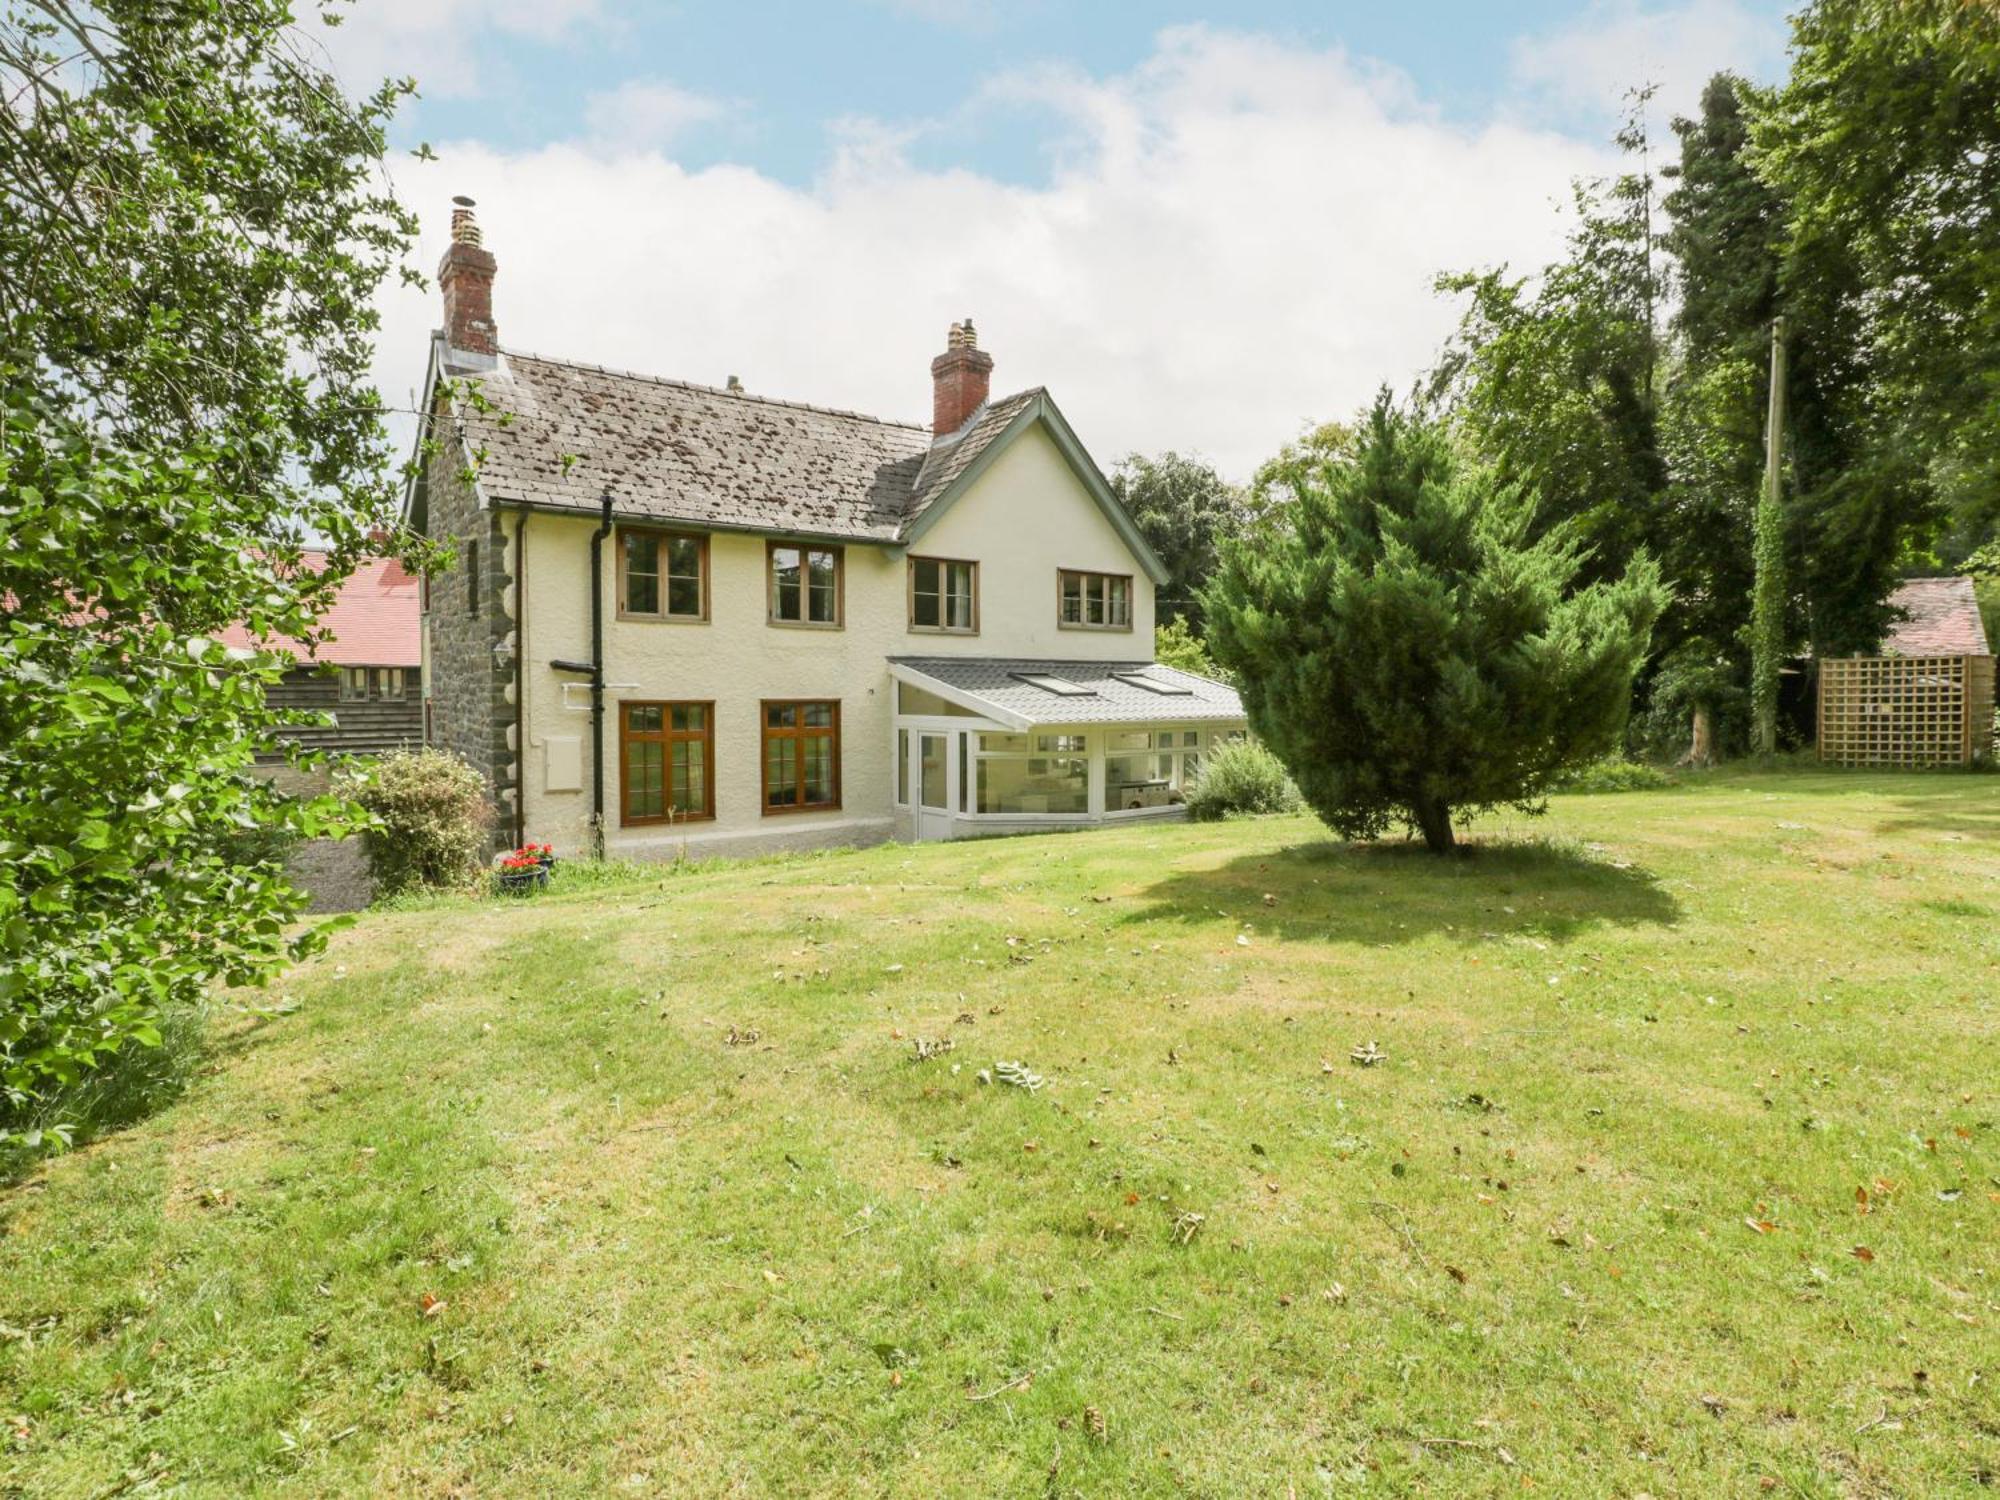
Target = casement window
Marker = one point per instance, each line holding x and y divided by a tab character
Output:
666	754
944	595
386	683
801	756
662	575
1094	601
806	584
353	684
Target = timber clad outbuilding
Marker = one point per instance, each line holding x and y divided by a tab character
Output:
366	677
690	619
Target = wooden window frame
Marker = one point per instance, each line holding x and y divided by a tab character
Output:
771	615
1087	574
911	597
668	736
765	734
402	680
352	697
661	617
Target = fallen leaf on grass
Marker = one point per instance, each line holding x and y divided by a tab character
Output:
1863	1253
1762	1226
431	1304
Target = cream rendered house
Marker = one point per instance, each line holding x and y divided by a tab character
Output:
691	619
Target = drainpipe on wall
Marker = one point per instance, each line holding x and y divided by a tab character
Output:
520	680
597	679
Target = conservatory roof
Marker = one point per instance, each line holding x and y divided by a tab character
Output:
1025	693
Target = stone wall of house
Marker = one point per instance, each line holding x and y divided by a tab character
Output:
469	631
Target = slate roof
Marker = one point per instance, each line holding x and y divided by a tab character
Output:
706	456
950	459
1943	620
376	619
996	685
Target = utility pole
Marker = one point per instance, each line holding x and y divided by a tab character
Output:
1767	605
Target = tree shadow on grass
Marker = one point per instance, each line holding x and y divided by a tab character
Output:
1946	802
1383	894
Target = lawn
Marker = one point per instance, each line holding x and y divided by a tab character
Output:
1678	1173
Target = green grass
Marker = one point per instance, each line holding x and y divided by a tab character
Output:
1517	1254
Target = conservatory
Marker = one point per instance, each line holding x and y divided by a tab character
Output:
986	745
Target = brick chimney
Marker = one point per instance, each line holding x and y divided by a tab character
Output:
465	276
959	380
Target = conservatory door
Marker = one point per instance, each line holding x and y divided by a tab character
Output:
934	790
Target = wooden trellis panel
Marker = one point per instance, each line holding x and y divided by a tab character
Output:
1898	710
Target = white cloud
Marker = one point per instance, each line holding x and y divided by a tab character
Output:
437	41
647	114
1239	238
1579	74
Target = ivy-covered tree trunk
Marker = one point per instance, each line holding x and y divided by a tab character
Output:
1767	616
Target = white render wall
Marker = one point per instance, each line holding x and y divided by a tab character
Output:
1026	516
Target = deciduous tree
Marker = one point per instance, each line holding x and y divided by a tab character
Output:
193	226
1184	509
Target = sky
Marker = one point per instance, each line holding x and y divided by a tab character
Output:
1204	227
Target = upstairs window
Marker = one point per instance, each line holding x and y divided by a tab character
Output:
386	683
662	575
944	595
806	585
1094	601
353	684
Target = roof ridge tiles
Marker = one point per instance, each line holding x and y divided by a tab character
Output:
712	390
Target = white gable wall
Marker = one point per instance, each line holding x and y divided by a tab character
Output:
1025	516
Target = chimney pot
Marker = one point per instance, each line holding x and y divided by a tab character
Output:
961	378
465	276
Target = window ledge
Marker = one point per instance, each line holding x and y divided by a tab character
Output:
777	624
813	807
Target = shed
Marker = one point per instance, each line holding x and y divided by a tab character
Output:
367	675
1926	698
